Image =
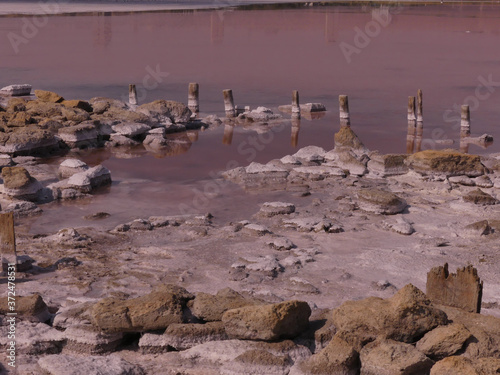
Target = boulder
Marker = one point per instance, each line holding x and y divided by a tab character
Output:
380	201
28	141
80	104
124	115
42	109
276	208
48	96
388	357
479	197
261	114
76	115
465	366
79	136
405	317
86	339
346	159
64	364
267	322
338	357
346	137
154	311
18	183
445	162
31	308
444	341
69	167
310	154
387	165
131	129
16	90
90	179
211	308
162	110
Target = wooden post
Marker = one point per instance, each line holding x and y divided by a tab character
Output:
410	135
295	131
295	104
345	119
411	108
7	240
193	97
229	104
418	138
420	113
132	94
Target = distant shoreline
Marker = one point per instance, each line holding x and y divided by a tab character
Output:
69	7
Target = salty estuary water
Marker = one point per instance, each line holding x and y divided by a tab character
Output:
377	55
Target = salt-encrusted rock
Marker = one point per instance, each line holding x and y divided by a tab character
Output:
154	311
258	361
263	168
276	208
64	364
346	159
465	366
48	96
315	173
85	339
388	357
5	161
19	119
445	162
308	224
257	229
261	114
380	201
184	336
483	182
131	129
211	307
387	165
338	357
27	141
71	166
267	322
280	243
346	137
90	179
311	154
72	314
288	159
23	209
80	104
400	226
161	110
79	136
479	197
444	341
479	228
31	308
16	90
76	115
18	183
302	286
267	265
33	338
462	180
404	317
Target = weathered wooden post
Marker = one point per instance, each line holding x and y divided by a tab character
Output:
7	240
229	104
420	113
295	104
132	94
465	129
345	119
193	98
410	136
227	138
295	131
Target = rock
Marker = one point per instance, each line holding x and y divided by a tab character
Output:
154	311
184	336
85	339
31	308
122	114
33	338
64	364
90	179
280	243
462	289
270	209
310	154
121	140
18	183
48	96
80	104
444	341
288	159
28	141
262	114
76	115
380	202
97	216
347	160
316	173
445	162
211	308
73	314
479	197
258	361
267	322
131	129
338	357
19	119
387	165
23	209
483	182
79	136
308	224
465	366
404	317
52	111
388	357
257	229
69	167
263	168
462	180
346	137
267	266
162	110
479	228
16	90
401	226
5	161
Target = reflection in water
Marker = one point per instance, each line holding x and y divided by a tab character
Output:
103	32
216	27
227	138
330	19
295	131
